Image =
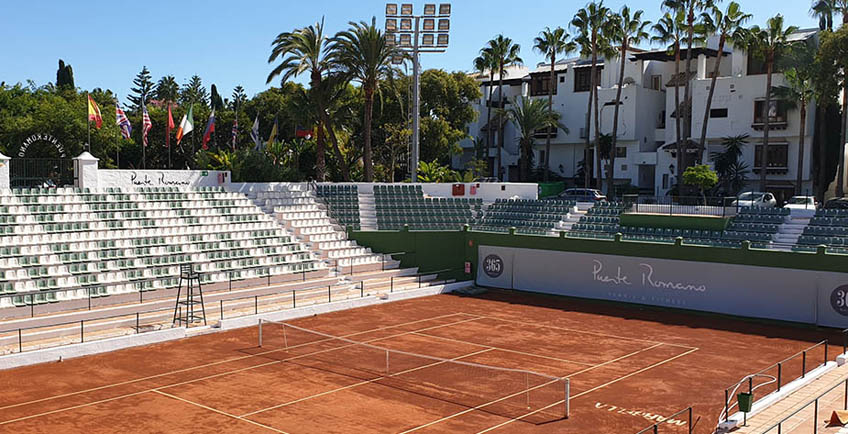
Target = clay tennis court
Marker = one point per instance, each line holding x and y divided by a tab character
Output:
625	364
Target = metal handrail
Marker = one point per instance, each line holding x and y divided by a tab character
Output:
843	382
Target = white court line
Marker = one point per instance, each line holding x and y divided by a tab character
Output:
220	412
317	395
504	349
204	366
542	385
588	391
624	338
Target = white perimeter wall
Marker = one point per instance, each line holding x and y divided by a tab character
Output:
161	178
762	292
489	192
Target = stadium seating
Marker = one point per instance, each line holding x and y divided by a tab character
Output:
68	243
539	217
342	203
827	227
399	205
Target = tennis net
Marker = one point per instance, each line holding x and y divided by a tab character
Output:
513	393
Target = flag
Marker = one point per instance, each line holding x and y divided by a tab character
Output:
235	131
273	135
122	121
254	134
94	113
186	124
304	133
170	127
146	125
210	128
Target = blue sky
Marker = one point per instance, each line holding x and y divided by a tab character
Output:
227	42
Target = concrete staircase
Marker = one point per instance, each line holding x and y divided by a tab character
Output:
367	211
790	231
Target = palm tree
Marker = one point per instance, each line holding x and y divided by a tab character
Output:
486	63
301	51
669	30
504	53
365	54
552	43
732	173
167	89
729	26
689	8
626	30
528	115
824	10
591	22
798	92
769	42
323	105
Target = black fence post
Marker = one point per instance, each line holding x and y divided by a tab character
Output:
82	331
255	304
825	352
803	363
31	306
21	350
294	299
222	309
329	294
137	326
779	374
392	284
88	291
726	405
230	279
361	289
690	420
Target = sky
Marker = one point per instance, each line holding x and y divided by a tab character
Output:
228	42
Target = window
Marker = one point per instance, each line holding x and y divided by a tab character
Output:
541	158
718	113
620	152
665	180
778	158
540	84
656	82
583	78
776	113
562	78
624	168
757	65
542	133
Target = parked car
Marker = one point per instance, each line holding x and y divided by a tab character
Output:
755	198
837	203
801	202
582	195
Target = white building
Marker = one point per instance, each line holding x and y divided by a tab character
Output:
646	130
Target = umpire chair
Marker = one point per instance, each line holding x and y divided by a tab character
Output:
185	311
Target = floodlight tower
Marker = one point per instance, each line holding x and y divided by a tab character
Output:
427	33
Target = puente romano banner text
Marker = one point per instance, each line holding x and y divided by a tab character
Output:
775	293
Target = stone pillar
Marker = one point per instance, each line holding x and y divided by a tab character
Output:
85	171
5	182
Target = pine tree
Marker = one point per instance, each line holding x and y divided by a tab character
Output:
239	97
141	91
64	75
193	92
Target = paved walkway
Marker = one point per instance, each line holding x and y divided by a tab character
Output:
802	422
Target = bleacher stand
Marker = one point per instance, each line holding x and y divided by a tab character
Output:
68	243
540	217
399	205
342	203
828	227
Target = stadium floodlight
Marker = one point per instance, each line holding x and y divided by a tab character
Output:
391	25
416	37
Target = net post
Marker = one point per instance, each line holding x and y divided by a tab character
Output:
260	332
527	388
285	338
567	397
387	363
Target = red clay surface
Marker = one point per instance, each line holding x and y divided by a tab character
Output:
625	364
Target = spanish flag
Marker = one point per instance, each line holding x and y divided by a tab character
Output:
94	113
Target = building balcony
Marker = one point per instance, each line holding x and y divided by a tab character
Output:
773	125
645	158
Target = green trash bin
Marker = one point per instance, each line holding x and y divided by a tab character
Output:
746	401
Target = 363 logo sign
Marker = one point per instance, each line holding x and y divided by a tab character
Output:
839	300
493	266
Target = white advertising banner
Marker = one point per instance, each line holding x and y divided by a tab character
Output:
762	292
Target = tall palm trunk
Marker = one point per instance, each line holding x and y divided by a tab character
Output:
500	121
798	176
320	164
840	174
677	115
821	115
594	93
336	150
369	106
547	161
687	94
587	163
764	155
526	149
489	117
703	141
611	171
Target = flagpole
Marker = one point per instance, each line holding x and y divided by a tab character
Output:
87	122
168	135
